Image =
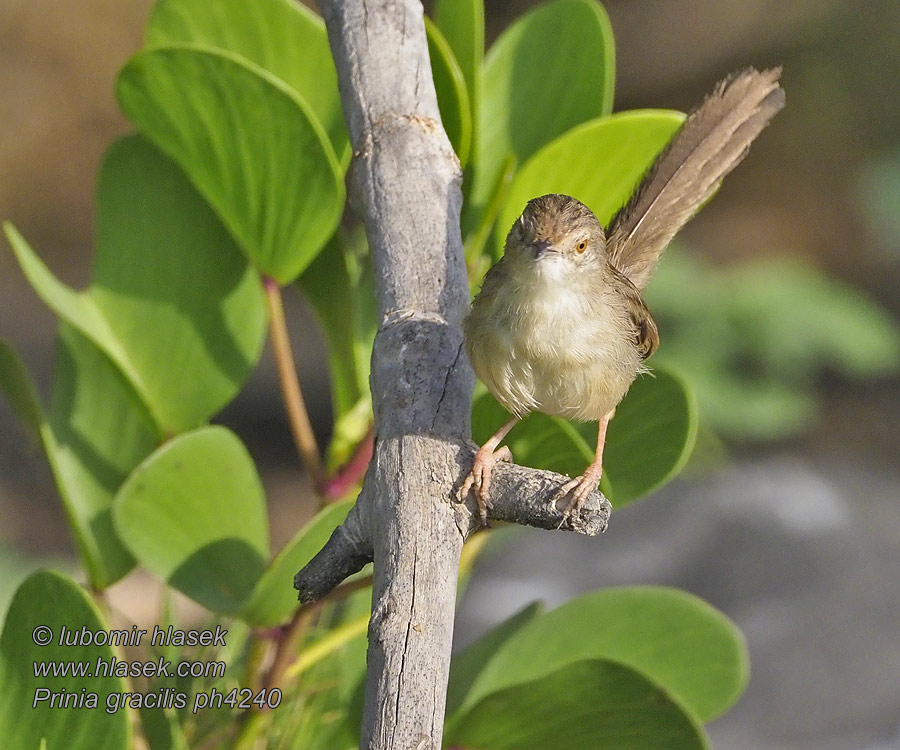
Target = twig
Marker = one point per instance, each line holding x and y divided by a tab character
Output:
253	721
300	623
298	418
327	645
339	484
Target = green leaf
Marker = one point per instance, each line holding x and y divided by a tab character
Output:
585	705
17	386
281	36
467	665
656	421
169	285
599	163
274	598
97	431
15	567
77	308
50	600
452	96
538	441
462	24
477	236
248	143
650	438
194	514
552	69
676	640
173	287
340	287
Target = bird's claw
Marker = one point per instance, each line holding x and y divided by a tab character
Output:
480	479
579	488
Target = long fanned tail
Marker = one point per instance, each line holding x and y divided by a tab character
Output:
713	139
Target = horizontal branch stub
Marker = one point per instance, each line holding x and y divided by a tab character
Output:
347	551
526	496
518	495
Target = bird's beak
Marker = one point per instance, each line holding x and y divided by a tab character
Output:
542	247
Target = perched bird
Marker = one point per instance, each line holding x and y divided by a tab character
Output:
559	325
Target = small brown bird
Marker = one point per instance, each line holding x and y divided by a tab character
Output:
559	325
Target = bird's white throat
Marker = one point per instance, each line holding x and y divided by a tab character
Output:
553	268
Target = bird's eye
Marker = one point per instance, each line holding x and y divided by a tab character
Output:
581	246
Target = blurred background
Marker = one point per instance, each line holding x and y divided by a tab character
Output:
780	303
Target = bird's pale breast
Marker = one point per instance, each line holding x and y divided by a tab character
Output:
543	346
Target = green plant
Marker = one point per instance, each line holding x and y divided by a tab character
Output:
233	190
777	324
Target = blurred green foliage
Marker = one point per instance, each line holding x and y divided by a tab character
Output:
877	193
771	327
236	180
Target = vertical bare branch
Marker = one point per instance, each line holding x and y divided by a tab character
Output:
405	183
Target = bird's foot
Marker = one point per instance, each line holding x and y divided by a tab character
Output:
479	478
579	489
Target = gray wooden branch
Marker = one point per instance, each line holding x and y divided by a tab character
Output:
405	183
521	496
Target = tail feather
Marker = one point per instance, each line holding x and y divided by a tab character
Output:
711	142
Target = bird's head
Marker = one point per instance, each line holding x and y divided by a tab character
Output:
558	236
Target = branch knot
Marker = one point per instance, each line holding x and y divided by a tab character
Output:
390	121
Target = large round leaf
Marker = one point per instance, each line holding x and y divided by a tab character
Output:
179	297
599	163
170	288
468	664
676	640
550	70
650	438
538	441
585	705
281	36
249	144
49	600
97	431
194	514
94	433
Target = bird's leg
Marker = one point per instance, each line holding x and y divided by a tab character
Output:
582	486
480	476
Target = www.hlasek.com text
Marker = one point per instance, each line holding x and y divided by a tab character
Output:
107	666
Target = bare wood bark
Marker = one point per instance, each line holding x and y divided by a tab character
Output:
405	183
521	496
